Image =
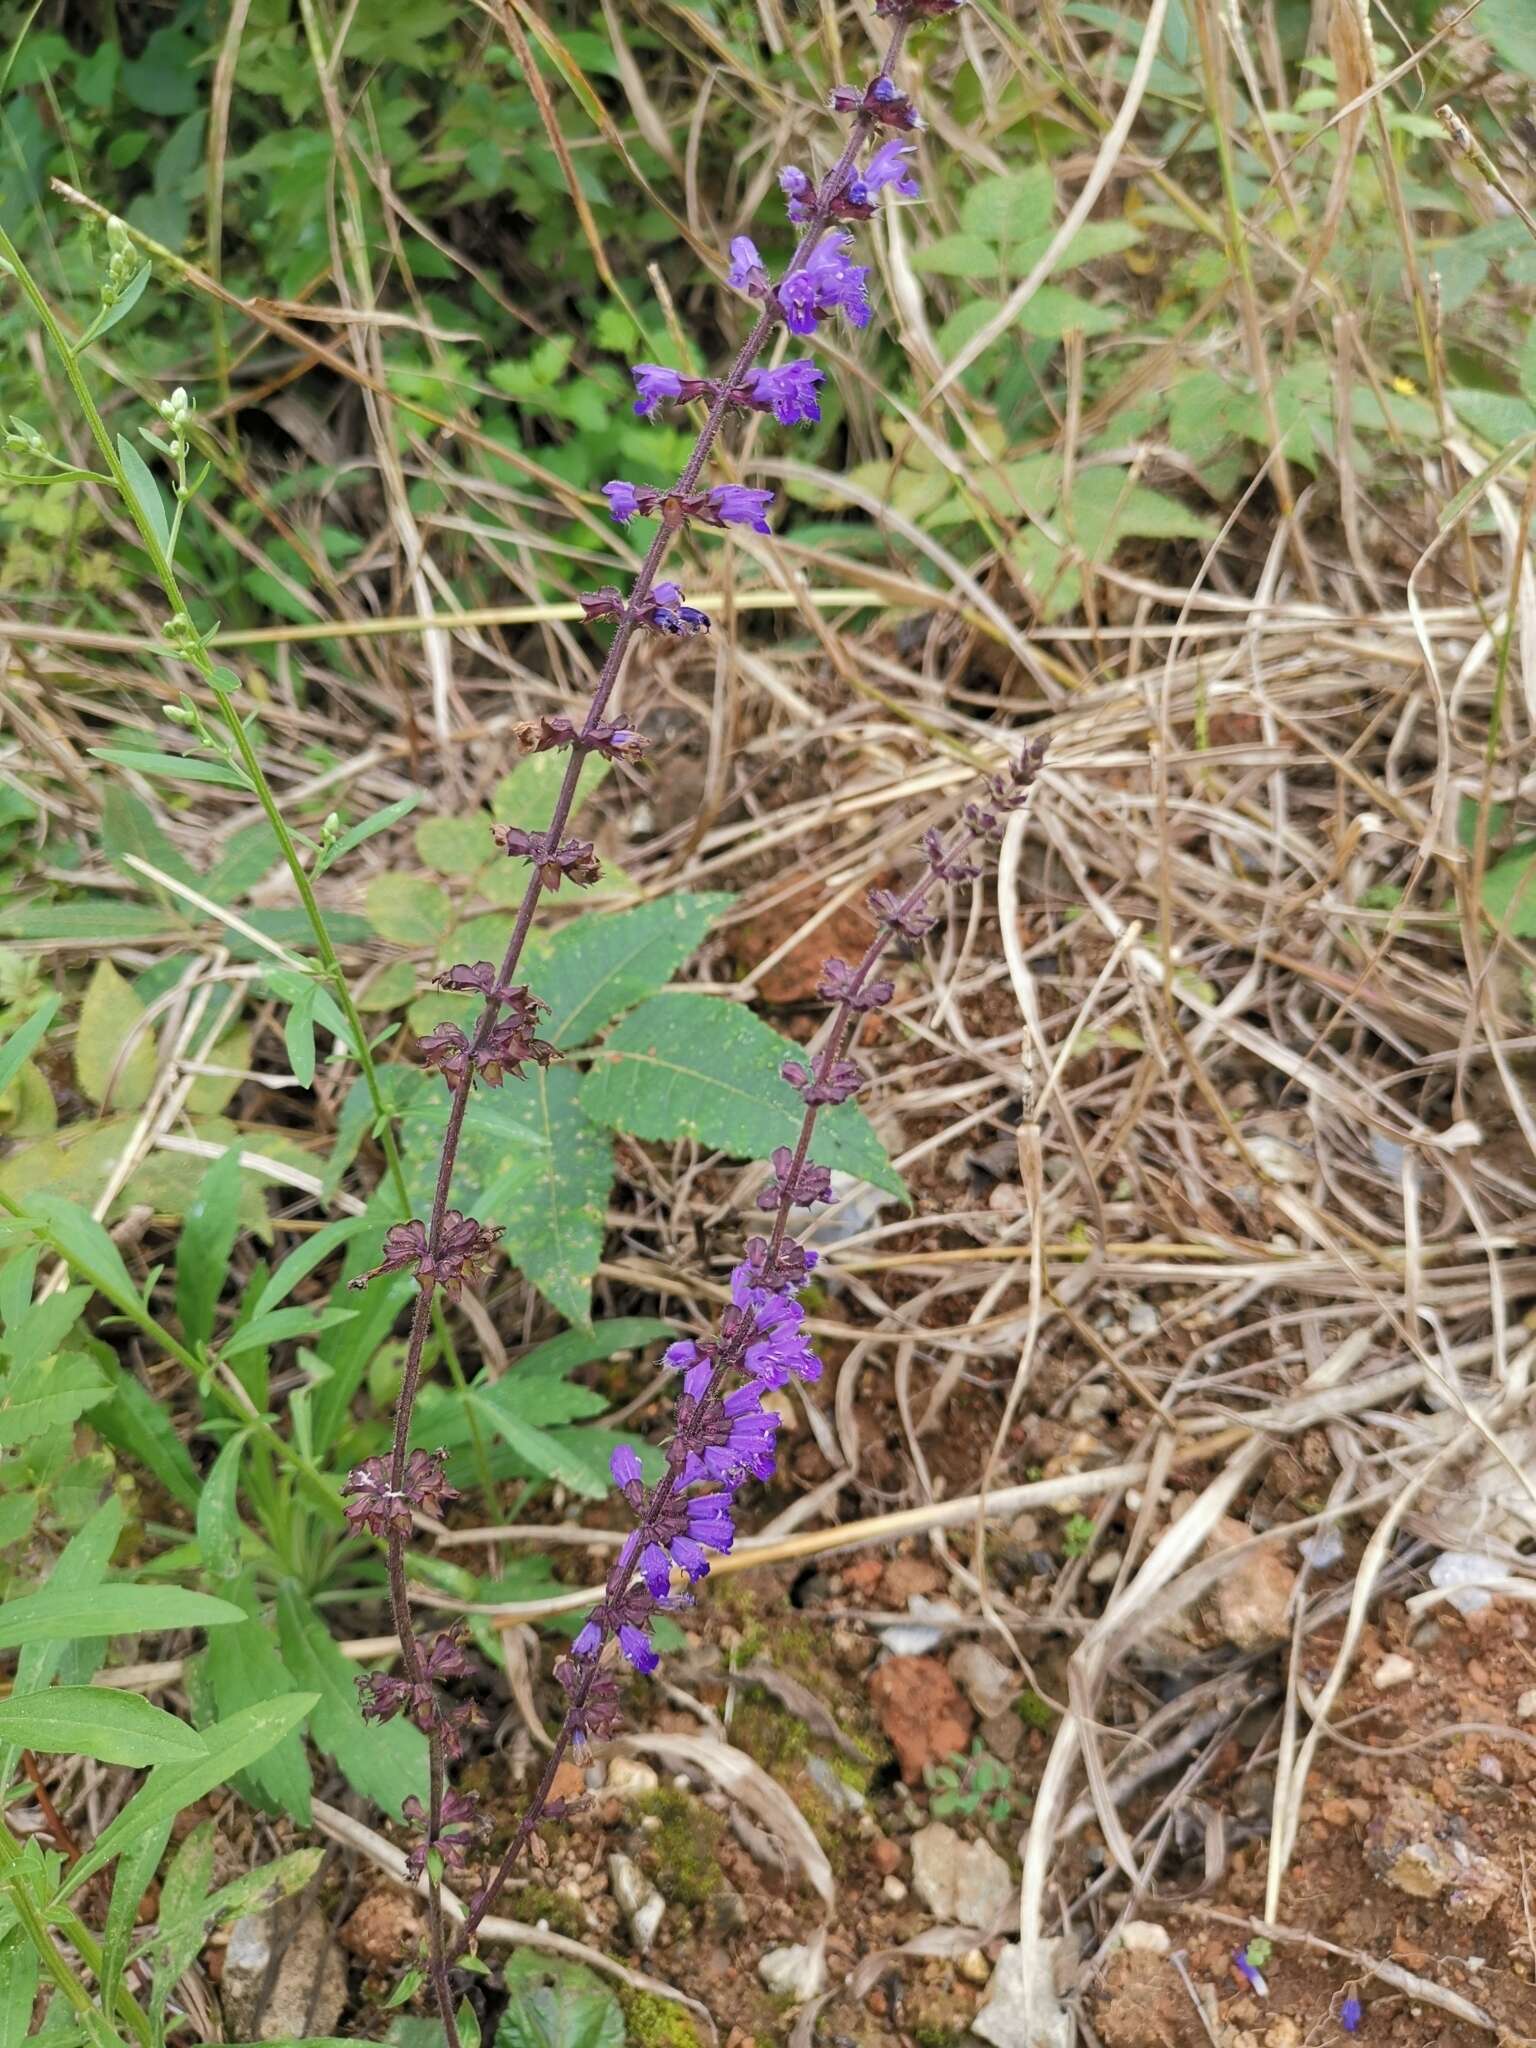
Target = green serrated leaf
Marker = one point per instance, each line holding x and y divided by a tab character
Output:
1014	207
455	846
386	1764
92	1720
47	1394
555	2004
406	909
111	1019
701	1067
594	969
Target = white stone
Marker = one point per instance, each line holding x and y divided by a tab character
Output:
960	1881
985	1680
1025	2011
1525	1706
894	1890
1146	1938
1393	1670
974	1967
638	1899
1105	1568
1089	1403
1454	1573
798	1972
1141	1318
628	1778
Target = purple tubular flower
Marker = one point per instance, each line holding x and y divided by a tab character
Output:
799	194
747	272
623	502
826	282
736	505
883	101
655	386
1351	2012
782	1272
656	1570
839	1083
589	1640
889	166
625	1466
1250	1974
665	612
637	1647
788	392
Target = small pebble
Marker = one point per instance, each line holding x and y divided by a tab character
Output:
1145	1937
974	1967
1142	1319
1089	1403
1491	1768
1525	1706
628	1777
1393	1670
1105	1568
894	1890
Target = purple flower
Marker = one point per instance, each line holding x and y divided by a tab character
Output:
624	1464
589	1640
826	282
888	166
883	101
900	914
459	1825
1351	2012
1249	1972
788	392
637	1647
799	194
557	860
747	273
376	1507
665	612
736	505
657	386
623	502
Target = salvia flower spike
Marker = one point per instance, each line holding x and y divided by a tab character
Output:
724	1433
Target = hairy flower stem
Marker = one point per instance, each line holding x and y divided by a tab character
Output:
607	682
732	1352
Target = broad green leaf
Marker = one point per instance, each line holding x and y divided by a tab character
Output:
93	1720
599	966
248	855
1054	311
27	1107
572	1349
20	1046
555	2004
552	1195
543	1453
203	1248
701	1067
1497	416
1509	892
385	1763
455	846
233	1745
965	256
210	1093
1012	208
1509	26
46	1394
64	1615
41	1327
408	910
129	826
240	1670
526	794
146	492
110	1017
